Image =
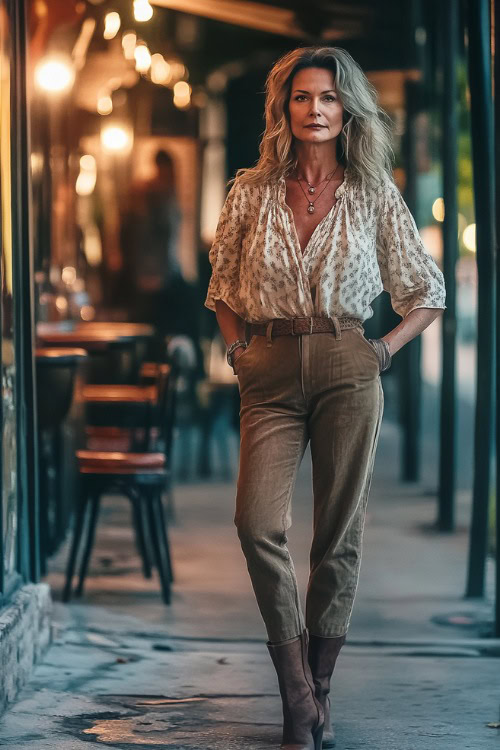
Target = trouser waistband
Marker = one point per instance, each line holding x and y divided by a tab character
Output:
299	326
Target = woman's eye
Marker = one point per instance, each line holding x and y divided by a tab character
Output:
330	98
299	97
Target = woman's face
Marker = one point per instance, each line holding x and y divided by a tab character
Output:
315	108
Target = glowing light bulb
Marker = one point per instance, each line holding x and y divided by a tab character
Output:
160	69
112	23
115	138
182	94
142	58
54	75
142	10
129	40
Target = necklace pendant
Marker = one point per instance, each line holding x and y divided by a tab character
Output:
310	208
312	190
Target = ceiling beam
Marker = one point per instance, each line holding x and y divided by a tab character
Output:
246	13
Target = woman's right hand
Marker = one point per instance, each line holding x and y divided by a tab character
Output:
237	354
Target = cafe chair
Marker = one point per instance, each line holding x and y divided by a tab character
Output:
142	477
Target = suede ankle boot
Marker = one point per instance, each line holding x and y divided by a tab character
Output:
302	712
323	653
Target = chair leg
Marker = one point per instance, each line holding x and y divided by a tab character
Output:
140	536
155	541
75	544
169	498
94	513
162	522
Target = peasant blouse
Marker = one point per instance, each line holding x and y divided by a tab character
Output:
367	242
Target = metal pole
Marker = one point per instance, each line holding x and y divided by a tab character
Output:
448	432
483	160
410	380
497	212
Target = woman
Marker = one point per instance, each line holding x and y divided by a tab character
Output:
307	239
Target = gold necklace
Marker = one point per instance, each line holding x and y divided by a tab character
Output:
312	189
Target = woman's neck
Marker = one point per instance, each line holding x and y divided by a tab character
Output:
315	160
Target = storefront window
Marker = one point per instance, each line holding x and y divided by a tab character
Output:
8	366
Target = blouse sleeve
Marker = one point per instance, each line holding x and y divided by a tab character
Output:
225	253
408	271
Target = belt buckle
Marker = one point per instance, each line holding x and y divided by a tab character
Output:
311	322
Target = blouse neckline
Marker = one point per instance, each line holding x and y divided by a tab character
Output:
338	193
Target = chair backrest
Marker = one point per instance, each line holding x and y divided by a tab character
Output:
164	417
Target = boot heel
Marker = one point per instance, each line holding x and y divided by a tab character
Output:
318	737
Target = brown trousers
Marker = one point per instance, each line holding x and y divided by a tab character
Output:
294	389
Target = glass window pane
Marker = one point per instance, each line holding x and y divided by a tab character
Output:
8	366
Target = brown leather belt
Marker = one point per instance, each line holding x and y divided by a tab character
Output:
298	326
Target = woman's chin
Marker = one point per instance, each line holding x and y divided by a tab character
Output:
314	136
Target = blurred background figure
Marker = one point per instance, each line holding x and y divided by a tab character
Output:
150	244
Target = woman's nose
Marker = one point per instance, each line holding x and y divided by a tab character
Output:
314	107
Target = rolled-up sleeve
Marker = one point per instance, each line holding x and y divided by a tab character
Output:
408	271
225	253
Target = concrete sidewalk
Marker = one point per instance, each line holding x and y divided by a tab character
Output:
124	671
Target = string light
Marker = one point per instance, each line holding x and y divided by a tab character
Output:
142	10
129	40
182	94
161	71
112	23
142	58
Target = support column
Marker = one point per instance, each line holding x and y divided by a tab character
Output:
478	17
448	431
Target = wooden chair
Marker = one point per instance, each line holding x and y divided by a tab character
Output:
139	476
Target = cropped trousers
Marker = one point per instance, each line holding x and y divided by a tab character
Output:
322	388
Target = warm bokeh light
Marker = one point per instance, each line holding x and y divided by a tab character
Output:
87	312
85	183
115	138
61	303
143	11
160	69
142	58
129	40
182	94
469	237
112	23
182	90
438	209
86	180
68	274
104	105
88	163
54	75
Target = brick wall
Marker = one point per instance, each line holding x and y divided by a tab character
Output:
24	636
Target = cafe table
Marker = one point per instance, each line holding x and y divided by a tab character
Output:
115	353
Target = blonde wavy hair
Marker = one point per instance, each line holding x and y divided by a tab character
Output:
364	145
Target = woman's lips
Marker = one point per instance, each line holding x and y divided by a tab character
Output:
315	127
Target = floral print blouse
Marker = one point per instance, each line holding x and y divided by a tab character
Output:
366	243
